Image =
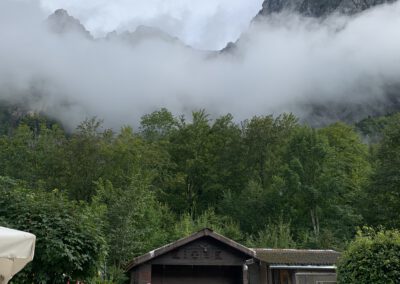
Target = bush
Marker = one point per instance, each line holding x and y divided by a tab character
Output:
69	241
373	257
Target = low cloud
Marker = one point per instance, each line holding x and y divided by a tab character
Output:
205	24
281	64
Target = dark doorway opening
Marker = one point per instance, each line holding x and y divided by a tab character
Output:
196	274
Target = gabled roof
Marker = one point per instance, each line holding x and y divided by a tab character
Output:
181	242
297	256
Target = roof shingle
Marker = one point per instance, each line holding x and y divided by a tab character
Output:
297	257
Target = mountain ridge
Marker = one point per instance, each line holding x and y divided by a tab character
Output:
318	8
317	113
60	22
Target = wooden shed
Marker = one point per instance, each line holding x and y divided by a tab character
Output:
210	258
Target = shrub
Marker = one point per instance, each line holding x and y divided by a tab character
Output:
69	241
373	257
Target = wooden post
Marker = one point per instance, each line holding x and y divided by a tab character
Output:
245	273
269	271
263	273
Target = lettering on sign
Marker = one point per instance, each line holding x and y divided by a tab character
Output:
199	252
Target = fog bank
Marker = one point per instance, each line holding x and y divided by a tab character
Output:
280	64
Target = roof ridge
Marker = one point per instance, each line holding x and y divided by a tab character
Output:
295	250
205	232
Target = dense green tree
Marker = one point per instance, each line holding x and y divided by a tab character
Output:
264	139
207	161
6	119
254	207
157	125
305	190
69	238
36	156
373	257
17	154
86	161
325	175
348	171
226	168
224	225
134	221
383	195
372	128
267	181
277	234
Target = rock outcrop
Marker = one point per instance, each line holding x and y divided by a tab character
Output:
319	8
61	22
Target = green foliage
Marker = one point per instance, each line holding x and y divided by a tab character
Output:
275	235
327	170
86	158
135	222
206	161
157	125
267	181
254	206
264	139
69	240
372	128
36	158
373	257
385	185
347	174
6	119
208	219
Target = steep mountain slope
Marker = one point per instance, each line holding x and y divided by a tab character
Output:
322	113
311	8
61	22
319	8
318	113
143	33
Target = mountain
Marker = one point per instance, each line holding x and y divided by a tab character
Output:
143	33
60	22
316	113
319	114
310	8
319	8
322	113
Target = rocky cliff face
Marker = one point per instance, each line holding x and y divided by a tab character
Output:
322	113
319	8
315	113
61	22
311	8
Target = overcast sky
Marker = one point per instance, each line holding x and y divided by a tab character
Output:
205	24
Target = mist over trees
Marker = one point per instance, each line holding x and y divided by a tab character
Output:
284	62
268	181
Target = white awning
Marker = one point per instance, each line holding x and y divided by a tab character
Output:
16	250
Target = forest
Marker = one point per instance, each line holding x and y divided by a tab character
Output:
97	197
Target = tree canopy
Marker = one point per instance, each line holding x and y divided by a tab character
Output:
101	196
